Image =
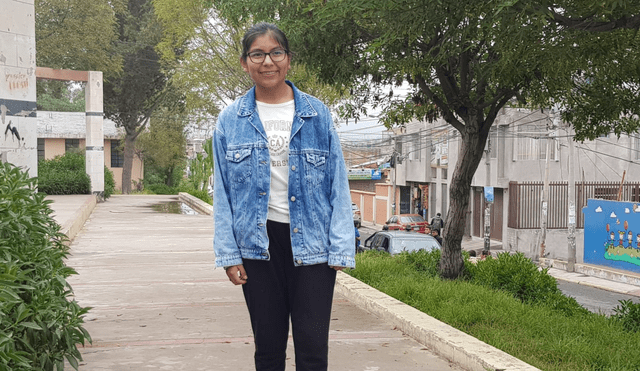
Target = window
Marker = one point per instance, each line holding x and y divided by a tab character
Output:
493	143
532	143
636	147
416	149
444	173
71	145
117	157
40	149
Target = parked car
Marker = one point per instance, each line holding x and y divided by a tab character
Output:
357	218
395	242
406	222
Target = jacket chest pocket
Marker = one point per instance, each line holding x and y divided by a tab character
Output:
315	167
239	164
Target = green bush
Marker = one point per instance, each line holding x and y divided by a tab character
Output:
515	274
109	183
64	175
40	325
161	189
628	314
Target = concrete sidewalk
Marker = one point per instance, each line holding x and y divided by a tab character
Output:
159	304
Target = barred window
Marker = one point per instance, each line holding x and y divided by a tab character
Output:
40	149
117	155
71	145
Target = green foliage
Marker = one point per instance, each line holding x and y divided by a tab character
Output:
48	102
203	195
64	175
537	334
628	313
109	183
519	276
201	168
40	324
87	29
161	189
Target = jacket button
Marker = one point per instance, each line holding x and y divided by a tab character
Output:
299	261
293	198
260	224
237	155
263	193
293	167
295	230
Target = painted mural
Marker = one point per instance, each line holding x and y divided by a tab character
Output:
612	234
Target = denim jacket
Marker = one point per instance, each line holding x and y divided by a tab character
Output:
321	221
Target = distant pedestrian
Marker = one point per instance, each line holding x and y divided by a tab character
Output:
282	206
436	234
437	222
355	225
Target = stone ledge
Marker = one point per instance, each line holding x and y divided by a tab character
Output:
448	342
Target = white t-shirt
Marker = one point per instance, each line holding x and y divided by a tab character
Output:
277	120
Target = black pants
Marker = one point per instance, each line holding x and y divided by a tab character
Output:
277	290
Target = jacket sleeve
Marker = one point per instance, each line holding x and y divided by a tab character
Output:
224	241
341	232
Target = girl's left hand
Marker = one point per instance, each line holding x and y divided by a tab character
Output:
337	268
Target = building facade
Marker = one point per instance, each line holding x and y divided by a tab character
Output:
59	132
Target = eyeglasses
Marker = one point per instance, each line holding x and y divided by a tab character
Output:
277	55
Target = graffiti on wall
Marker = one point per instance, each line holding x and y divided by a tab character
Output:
612	234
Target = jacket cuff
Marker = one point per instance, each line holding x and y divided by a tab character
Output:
228	260
346	261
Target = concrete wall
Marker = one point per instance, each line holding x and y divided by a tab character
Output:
53	147
19	145
527	241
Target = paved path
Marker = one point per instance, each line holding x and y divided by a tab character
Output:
159	304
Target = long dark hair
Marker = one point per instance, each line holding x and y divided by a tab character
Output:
263	28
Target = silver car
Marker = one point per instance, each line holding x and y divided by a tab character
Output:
395	242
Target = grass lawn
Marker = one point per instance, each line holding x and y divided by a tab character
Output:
540	334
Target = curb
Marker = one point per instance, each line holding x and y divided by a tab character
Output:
448	342
75	223
591	272
196	203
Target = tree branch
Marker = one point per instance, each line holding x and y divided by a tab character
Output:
446	112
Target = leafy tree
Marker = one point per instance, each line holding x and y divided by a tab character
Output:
77	34
163	145
204	50
465	60
131	97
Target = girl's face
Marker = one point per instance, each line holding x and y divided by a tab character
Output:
267	75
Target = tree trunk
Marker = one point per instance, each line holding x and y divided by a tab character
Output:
469	156
129	147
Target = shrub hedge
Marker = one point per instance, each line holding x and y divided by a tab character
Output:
40	325
67	175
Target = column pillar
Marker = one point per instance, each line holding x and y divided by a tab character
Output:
95	133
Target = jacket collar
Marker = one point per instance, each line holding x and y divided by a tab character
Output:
303	107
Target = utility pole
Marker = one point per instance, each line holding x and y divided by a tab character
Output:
487	205
394	162
571	236
545	200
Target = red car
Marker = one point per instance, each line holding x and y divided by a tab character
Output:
407	222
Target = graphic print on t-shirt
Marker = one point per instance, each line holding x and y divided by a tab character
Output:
278	132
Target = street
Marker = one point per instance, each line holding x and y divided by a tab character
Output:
594	299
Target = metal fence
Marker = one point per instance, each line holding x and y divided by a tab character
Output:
525	201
